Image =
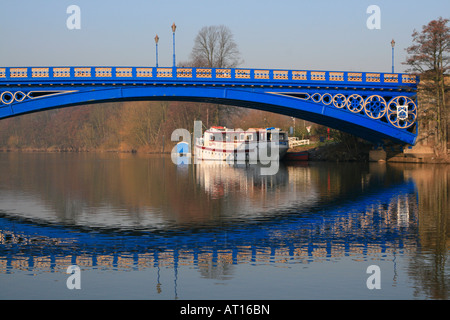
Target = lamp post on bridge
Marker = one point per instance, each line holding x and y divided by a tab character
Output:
156	42
393	45
174	27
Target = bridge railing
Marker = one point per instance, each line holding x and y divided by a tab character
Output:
148	74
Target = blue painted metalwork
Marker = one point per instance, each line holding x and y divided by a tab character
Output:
373	106
156	43
393	45
174	27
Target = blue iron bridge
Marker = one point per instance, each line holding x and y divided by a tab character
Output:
378	107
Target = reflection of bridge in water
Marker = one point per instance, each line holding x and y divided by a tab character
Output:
380	221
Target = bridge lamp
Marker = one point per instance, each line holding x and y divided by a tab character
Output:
393	45
174	27
156	42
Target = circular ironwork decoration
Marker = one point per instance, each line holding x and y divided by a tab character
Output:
402	112
375	107
339	100
316	97
327	99
355	103
19	96
7	97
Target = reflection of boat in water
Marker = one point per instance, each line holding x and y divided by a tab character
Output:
223	144
246	194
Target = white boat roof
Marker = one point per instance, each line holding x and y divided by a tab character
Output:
225	129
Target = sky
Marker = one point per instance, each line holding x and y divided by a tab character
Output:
283	34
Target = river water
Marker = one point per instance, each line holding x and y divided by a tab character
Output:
141	227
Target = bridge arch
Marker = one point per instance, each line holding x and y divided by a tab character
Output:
375	107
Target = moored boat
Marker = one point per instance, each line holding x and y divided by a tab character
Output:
254	144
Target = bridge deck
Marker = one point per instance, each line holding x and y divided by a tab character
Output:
63	75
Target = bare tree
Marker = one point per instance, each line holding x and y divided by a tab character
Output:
214	47
430	58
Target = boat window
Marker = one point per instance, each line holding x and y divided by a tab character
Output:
217	137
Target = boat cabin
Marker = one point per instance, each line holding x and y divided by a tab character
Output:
222	134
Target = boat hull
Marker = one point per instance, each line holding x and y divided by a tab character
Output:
249	155
297	156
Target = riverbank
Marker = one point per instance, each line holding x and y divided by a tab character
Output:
327	151
335	151
340	152
167	150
